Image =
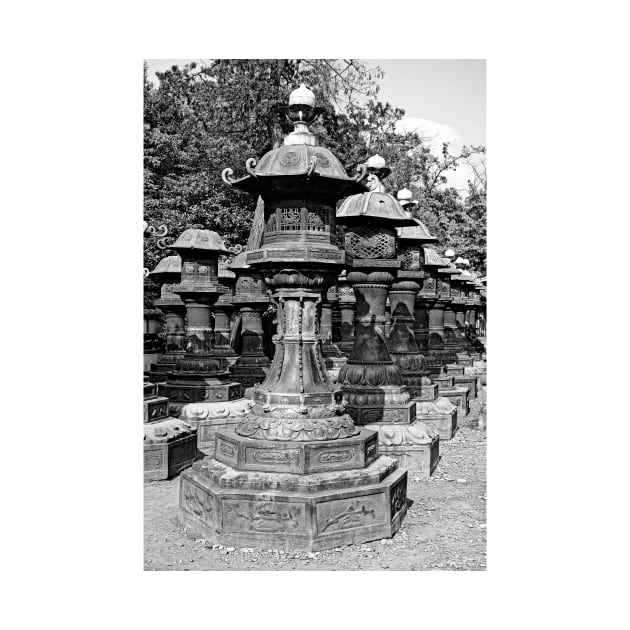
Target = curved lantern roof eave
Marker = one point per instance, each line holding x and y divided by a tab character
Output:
314	165
201	240
168	264
416	233
432	258
375	205
240	261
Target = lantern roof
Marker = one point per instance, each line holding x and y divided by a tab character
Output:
432	258
240	261
196	238
300	159
224	272
376	203
168	264
417	232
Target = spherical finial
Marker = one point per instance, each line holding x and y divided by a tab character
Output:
449	253
404	195
302	96
376	162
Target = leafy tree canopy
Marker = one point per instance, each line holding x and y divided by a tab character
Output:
201	119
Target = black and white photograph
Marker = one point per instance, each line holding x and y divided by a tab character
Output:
315	315
342	426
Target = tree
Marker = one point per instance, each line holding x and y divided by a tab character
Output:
199	120
202	119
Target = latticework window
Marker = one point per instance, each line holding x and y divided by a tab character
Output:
370	242
317	220
290	219
410	259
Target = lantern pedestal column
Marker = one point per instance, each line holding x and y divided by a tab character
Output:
334	358
373	384
252	366
200	376
347	307
169	443
434	411
296	473
173	309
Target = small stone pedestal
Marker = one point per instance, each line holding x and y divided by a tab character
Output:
201	375
458	396
252	366
333	356
373	384
209	418
169	443
168	273
347	307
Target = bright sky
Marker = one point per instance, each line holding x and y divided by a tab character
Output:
444	99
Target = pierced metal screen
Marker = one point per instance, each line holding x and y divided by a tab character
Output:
370	242
290	219
411	259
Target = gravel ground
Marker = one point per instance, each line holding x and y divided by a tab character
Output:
445	527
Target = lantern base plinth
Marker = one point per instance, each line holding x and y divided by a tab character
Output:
208	418
292	511
459	397
420	460
170	446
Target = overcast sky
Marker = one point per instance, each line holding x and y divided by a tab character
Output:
444	99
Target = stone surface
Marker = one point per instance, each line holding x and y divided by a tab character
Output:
421	460
470	382
351	511
459	397
209	418
170	446
296	457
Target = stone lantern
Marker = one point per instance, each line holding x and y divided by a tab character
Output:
373	384
168	273
250	297
201	375
333	356
347	307
297	473
430	305
169	443
432	409
222	311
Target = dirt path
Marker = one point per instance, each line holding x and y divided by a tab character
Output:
445	528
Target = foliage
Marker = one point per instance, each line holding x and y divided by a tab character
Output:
200	120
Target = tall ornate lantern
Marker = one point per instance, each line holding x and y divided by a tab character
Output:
250	297
296	473
168	273
201	375
372	383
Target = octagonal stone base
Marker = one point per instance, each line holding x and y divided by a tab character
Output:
423	392
391	414
453	369
464	358
210	390
155	408
418	459
444	424
163	461
459	397
468	381
290	511
208	418
245	453
444	381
